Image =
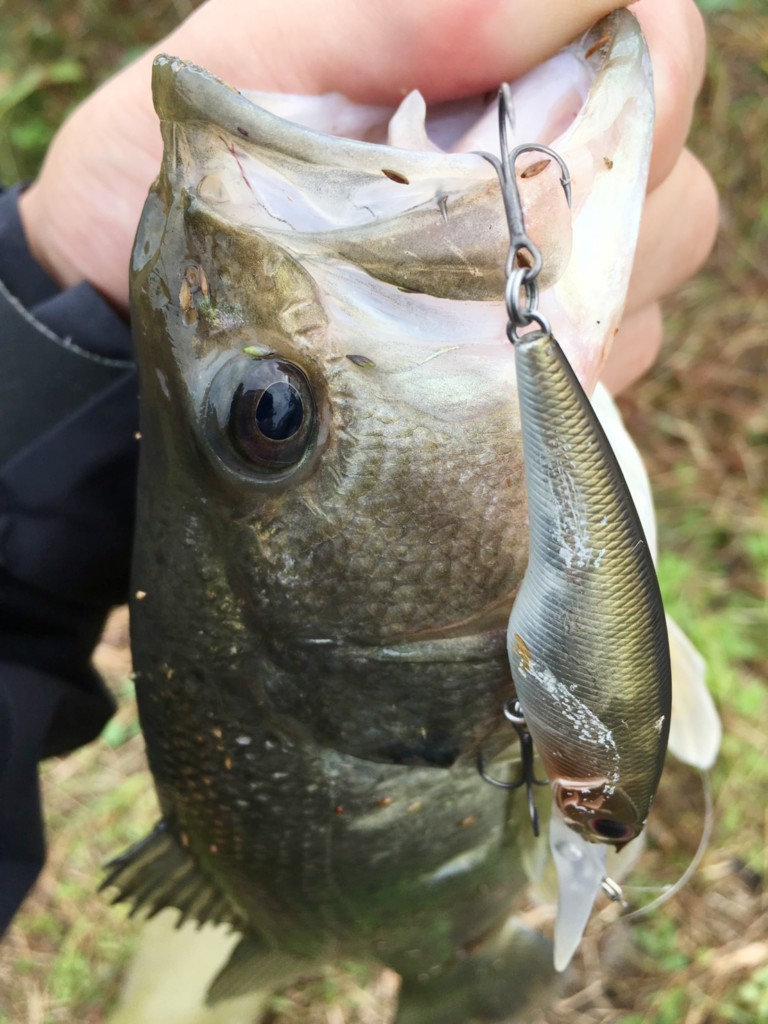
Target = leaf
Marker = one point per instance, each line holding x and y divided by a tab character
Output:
64	71
16	91
39	76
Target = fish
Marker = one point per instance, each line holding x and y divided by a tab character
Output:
332	523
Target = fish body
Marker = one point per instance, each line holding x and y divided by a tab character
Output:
587	635
332	524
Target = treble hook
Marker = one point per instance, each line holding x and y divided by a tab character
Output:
614	892
513	714
523	277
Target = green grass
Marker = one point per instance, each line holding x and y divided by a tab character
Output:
52	55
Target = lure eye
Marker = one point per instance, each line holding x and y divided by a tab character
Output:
614	831
272	415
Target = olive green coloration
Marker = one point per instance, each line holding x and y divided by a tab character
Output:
587	635
331	532
320	653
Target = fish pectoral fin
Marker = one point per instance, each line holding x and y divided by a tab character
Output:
158	873
254	966
695	730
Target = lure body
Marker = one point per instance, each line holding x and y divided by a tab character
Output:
587	637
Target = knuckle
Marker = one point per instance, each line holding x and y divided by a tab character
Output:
677	41
704	205
638	345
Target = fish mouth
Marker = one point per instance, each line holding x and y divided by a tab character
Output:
409	203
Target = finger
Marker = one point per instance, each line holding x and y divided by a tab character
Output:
635	349
674	30
377	52
370	51
677	232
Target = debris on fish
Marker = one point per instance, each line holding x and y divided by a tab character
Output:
332	522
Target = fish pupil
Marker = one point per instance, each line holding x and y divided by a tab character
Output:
280	411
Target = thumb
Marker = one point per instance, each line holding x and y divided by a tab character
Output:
378	51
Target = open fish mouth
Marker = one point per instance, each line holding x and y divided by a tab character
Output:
390	208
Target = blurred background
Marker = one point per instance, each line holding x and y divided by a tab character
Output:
701	420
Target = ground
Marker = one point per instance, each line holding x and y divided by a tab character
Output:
701	419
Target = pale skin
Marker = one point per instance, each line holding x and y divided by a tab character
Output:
81	213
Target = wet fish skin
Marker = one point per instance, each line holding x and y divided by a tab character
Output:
300	719
587	636
312	729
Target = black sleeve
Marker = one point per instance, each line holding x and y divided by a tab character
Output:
68	452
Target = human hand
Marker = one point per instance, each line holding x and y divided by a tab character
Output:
81	214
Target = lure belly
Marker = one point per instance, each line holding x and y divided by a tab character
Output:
587	637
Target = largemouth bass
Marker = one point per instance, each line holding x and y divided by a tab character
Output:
332	523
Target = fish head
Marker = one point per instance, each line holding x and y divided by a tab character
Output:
328	444
599	811
331	451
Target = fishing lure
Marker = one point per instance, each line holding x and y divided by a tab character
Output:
587	637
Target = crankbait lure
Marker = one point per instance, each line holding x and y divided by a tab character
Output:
587	637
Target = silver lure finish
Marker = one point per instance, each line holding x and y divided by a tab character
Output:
587	637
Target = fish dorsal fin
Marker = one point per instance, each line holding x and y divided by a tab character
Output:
253	966
695	730
158	873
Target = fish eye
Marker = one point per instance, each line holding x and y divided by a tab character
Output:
272	414
614	831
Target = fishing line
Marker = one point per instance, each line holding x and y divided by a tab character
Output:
618	893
